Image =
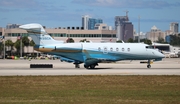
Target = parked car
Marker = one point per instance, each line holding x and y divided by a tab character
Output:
178	54
1	57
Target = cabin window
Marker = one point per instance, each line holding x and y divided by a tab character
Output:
122	49
111	49
117	49
99	49
105	49
128	49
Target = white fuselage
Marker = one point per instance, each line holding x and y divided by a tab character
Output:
105	51
90	53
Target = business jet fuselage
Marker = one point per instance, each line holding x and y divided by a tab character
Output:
91	53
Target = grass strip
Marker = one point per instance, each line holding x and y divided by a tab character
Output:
92	89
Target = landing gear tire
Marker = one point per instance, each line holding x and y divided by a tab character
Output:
148	66
86	66
77	66
92	66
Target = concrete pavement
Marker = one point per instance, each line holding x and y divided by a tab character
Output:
168	66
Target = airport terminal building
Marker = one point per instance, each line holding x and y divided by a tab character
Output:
63	34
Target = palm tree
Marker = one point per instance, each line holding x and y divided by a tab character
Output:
84	40
146	41
1	47
32	44
10	44
25	41
17	45
70	40
130	40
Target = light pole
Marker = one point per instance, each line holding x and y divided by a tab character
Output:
139	29
21	45
4	47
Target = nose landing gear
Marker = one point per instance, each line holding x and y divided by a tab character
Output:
149	64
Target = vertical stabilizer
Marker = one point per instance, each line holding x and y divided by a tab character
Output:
39	35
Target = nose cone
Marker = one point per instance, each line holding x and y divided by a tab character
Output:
160	55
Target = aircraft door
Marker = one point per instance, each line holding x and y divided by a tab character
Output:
147	51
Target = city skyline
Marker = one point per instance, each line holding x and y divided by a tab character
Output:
58	13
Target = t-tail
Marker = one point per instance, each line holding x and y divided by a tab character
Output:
39	35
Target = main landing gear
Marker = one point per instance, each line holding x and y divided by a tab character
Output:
149	64
77	66
92	66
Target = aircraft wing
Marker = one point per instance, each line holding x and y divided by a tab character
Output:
66	59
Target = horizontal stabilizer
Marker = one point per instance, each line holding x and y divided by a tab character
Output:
33	28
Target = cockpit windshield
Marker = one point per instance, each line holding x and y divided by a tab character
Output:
149	47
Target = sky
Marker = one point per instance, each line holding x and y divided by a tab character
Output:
64	13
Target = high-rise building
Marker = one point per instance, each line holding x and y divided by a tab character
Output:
120	20
88	23
155	34
174	26
124	28
85	20
92	22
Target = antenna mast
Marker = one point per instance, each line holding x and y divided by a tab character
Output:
127	14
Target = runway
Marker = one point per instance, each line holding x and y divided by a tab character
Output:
22	68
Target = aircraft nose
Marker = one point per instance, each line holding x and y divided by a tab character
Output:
161	55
